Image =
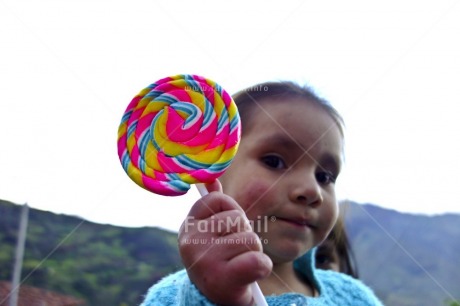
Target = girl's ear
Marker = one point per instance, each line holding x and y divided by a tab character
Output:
214	186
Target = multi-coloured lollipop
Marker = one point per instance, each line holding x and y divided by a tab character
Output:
178	131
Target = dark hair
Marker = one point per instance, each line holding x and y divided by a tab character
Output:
339	237
247	100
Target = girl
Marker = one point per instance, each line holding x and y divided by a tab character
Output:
273	205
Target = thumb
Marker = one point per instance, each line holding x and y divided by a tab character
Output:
214	186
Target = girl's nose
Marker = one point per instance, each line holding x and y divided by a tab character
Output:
306	190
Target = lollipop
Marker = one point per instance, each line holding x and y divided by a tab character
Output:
178	131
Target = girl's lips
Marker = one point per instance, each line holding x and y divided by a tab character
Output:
296	222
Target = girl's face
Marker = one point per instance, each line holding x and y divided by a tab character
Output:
284	173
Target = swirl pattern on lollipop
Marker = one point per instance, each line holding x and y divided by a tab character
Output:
178	131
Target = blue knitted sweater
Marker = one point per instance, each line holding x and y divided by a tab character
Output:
335	289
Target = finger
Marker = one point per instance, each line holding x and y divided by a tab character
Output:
214	186
248	267
228	222
221	224
239	243
212	204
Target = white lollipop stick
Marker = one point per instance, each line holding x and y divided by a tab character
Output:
257	294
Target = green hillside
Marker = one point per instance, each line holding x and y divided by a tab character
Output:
103	264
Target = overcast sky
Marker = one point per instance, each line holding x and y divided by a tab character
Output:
68	69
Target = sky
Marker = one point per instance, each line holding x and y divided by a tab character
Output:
68	69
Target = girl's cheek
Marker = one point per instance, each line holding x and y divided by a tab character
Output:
256	194
329	218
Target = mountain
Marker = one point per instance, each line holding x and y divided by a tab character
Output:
409	260
102	264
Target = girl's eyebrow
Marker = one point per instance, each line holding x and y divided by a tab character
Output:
281	140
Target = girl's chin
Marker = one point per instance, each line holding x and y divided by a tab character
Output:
286	254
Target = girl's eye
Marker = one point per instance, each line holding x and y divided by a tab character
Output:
323	259
325	178
274	162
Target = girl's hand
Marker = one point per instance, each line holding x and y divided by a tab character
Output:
221	253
